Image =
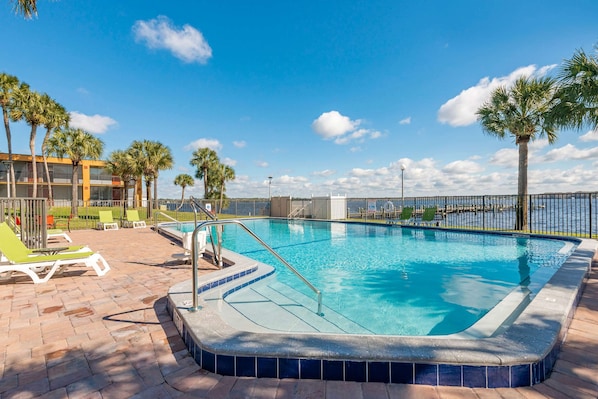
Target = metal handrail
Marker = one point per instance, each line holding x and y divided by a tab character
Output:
195	204
156	213
195	251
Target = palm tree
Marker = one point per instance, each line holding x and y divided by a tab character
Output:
160	159
30	107
27	8
151	157
77	145
142	168
204	159
8	86
525	112
56	118
183	180
578	92
121	164
227	173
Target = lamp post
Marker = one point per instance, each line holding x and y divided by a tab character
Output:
403	167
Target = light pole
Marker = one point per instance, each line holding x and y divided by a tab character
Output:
403	167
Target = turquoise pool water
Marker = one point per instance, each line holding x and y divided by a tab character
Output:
402	281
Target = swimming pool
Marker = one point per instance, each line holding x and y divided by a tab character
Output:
392	281
520	354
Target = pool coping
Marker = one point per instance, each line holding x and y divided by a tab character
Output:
522	355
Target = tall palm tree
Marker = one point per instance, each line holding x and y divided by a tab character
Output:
56	118
151	157
204	159
227	173
183	180
578	92
77	145
30	107
525	112
28	8
160	159
121	164
8	86
142	168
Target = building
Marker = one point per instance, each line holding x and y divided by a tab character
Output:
96	183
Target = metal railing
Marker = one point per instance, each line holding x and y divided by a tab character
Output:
571	214
196	204
195	252
27	217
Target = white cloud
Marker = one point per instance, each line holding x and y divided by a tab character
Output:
462	167
461	109
229	162
332	125
93	124
212	144
592	135
262	164
240	144
324	173
507	157
186	43
570	152
406	121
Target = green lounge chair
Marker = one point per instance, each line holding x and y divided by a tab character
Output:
106	222
405	216
41	264
133	220
429	215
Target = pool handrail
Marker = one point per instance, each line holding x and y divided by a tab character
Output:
156	213
195	251
195	204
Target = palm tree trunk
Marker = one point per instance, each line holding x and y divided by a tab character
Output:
13	183
521	217
156	192
205	182
182	198
33	160
44	145
75	191
148	194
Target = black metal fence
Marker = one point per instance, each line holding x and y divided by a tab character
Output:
570	214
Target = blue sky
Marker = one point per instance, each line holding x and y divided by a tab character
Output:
327	97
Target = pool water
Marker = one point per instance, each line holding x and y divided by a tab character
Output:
401	281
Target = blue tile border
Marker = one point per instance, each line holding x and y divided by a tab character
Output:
363	369
472	376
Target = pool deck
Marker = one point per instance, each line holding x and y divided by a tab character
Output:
84	336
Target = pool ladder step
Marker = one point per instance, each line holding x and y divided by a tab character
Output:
281	308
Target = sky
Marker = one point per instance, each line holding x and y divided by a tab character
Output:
326	97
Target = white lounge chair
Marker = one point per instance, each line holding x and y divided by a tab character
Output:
42	264
106	222
133	220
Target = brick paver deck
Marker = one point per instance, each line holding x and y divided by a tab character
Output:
83	336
